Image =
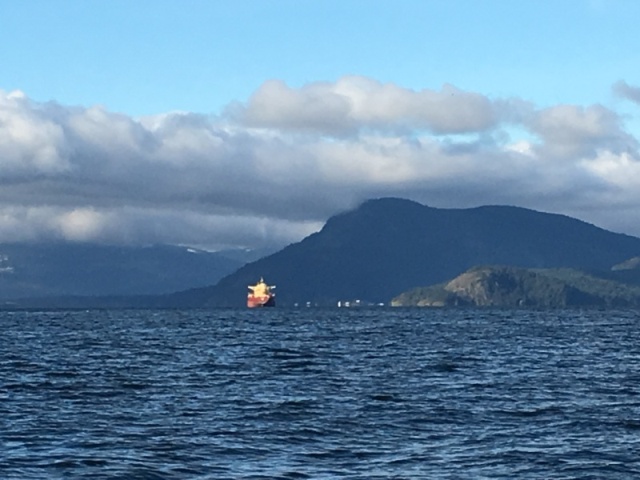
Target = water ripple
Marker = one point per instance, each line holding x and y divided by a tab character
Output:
319	394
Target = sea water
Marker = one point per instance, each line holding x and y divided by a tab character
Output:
320	394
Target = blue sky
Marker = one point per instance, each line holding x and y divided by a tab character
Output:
154	56
123	119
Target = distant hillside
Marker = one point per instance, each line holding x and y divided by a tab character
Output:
45	270
505	286
388	246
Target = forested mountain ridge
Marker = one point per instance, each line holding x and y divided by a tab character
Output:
388	246
505	286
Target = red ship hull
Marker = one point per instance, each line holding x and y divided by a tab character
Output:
257	301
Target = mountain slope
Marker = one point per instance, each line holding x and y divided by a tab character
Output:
388	246
505	286
85	269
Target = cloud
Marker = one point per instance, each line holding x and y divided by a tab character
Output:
143	226
271	171
30	142
574	132
624	90
354	103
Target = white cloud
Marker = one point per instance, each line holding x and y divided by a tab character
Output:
621	170
575	132
30	142
272	170
82	224
355	103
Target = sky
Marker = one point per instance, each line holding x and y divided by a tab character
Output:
220	124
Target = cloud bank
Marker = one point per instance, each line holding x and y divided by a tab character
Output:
271	170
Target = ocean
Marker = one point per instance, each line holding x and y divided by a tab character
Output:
320	394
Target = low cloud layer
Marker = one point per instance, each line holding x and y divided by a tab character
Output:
272	170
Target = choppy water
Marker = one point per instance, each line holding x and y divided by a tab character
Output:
320	394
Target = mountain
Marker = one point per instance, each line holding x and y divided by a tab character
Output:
389	246
506	286
45	270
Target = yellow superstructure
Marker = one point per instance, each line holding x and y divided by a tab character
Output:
261	288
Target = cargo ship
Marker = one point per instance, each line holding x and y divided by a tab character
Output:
261	295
